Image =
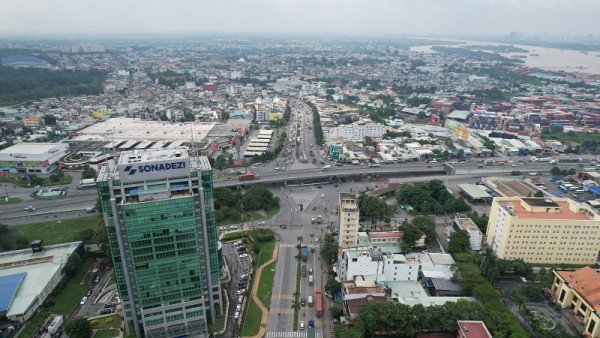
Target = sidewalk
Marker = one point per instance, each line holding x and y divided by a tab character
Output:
263	309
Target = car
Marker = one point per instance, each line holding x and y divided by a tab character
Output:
109	305
236	243
513	165
314	208
283	226
322	195
241	250
236	315
222	229
312	234
262	223
523	279
83	300
302	301
233	227
238	307
89	293
30	208
240	299
244	276
242	283
240	292
301	326
310	271
105	311
244	255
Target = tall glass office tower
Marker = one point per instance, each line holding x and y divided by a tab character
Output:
159	215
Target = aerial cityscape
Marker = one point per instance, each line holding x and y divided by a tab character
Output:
302	169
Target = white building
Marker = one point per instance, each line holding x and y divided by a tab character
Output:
462	222
389	267
357	131
348	220
34	158
28	276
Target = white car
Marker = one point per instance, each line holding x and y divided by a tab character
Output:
523	279
244	255
236	315
240	299
322	195
262	223
30	208
301	325
83	300
240	292
238	307
233	227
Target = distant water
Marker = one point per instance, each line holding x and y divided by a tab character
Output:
545	58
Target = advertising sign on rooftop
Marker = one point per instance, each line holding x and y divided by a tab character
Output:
143	171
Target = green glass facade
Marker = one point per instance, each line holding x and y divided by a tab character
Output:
163	241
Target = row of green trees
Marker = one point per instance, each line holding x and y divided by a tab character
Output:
229	203
431	198
375	209
400	320
317	129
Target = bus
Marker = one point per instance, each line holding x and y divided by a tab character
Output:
562	188
579	192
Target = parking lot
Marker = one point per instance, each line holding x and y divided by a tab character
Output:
238	267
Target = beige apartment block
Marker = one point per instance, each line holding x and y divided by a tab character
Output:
544	230
348	235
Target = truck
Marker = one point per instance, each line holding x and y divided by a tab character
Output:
319	219
326	167
87	183
304	270
319	303
311	280
247	177
304	253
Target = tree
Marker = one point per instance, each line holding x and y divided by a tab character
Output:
411	235
73	264
555	171
538	193
329	250
426	225
54	178
421	115
88	172
459	242
79	328
49	120
333	286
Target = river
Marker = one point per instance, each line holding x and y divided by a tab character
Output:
545	58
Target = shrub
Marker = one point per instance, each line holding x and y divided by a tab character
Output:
95	322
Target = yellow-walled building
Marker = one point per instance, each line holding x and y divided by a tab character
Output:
580	291
99	114
543	230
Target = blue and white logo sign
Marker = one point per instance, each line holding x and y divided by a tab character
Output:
154	170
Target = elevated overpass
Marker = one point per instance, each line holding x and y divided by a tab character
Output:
317	176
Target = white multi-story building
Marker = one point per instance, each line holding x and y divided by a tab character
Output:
358	131
462	222
348	220
390	267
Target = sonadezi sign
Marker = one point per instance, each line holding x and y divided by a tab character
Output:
154	170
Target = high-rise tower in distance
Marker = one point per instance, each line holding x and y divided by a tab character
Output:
159	216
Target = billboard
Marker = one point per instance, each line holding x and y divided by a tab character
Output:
153	170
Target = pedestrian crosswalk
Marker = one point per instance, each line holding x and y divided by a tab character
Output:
291	334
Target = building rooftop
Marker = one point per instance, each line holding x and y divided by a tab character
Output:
39	268
390	234
348	201
141	156
32	148
135	129
473	329
586	282
474	191
9	285
466	223
557	210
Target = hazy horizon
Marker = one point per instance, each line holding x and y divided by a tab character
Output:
386	17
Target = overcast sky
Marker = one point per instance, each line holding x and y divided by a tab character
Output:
403	17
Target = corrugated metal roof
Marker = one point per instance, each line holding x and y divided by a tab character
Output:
9	285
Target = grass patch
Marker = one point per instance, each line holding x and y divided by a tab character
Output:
252	318
249	216
230	236
107	333
53	232
11	200
265	286
113	321
265	254
64	302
